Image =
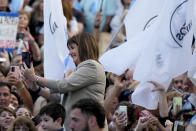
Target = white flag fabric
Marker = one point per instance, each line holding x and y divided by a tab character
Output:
192	66
55	40
167	52
123	57
159	53
137	21
141	15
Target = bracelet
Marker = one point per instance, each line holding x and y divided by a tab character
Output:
21	87
38	90
37	79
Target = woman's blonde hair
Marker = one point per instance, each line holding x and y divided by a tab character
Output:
23	12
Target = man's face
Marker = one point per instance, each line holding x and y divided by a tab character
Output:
79	121
48	124
5	96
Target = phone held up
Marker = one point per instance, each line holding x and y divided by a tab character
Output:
179	126
177	104
123	109
20	36
26	58
16	71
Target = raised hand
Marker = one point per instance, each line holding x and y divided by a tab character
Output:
29	73
27	36
168	125
119	82
11	79
142	123
120	120
158	87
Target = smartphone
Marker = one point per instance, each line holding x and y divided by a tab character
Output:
26	58
20	36
177	102
123	109
178	126
16	71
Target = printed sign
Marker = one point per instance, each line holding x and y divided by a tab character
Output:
8	30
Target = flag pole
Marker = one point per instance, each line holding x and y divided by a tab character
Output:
114	36
101	6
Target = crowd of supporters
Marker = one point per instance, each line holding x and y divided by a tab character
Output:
93	100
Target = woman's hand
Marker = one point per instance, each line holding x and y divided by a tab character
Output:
119	82
29	73
11	79
154	121
31	85
6	64
168	125
27	36
163	105
142	123
120	120
158	87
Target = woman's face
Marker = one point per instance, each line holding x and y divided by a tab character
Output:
23	21
23	112
14	100
21	128
74	53
6	119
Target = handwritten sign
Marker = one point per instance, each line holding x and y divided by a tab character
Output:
8	30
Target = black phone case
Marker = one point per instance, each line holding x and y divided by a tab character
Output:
26	58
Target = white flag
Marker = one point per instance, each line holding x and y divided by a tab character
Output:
137	23
141	16
167	52
55	40
192	66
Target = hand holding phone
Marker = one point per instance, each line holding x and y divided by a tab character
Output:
20	36
15	71
26	58
123	109
178	126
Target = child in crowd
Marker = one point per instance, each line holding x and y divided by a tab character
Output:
52	117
